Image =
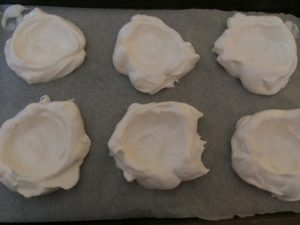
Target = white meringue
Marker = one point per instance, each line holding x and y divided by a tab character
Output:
44	47
42	148
266	152
259	50
152	54
12	12
157	144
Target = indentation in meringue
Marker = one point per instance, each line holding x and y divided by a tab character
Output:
152	54
42	148
258	50
265	152
44	47
157	144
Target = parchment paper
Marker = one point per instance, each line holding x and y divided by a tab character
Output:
103	96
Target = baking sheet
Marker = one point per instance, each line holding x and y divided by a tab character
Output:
103	96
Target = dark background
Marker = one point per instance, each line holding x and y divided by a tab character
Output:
284	6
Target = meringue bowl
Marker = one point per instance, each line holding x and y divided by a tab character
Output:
42	148
44	47
259	50
265	152
157	144
152	54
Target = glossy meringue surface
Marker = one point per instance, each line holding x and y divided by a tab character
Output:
42	148
157	144
259	50
44	47
152	54
266	153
